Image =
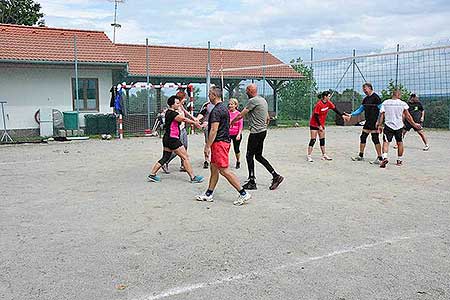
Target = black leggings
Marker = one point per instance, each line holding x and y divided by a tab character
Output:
255	147
236	143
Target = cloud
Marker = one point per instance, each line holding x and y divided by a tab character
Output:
283	25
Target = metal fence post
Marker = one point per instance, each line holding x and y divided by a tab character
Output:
353	80
148	82
77	108
264	71
208	71
396	68
311	84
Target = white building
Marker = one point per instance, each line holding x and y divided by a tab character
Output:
37	70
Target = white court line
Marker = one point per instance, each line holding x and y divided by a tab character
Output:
198	286
24	162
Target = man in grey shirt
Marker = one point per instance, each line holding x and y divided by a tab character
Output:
258	119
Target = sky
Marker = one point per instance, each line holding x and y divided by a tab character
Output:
287	28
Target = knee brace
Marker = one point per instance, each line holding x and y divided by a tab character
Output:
322	142
376	138
165	158
312	142
363	137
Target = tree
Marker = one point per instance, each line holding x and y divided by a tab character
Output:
387	93
295	96
21	12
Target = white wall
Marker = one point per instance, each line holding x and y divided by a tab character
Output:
29	87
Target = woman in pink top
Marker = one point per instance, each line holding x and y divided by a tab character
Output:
236	130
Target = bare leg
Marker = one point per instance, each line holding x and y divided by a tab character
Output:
231	177
400	149
155	168
238	156
182	153
385	147
214	178
422	135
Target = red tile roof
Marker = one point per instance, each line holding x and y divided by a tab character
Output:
29	43
181	62
43	44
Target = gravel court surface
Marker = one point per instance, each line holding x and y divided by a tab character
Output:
79	221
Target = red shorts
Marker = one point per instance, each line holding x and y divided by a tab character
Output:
219	154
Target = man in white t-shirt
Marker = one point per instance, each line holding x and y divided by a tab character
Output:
392	112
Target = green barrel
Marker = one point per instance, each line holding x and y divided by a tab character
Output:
70	120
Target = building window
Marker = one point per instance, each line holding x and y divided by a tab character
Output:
87	94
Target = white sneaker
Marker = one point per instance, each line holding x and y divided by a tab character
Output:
241	200
375	162
326	157
426	148
395	147
309	158
204	197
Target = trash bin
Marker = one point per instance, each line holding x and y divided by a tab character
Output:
102	124
112	124
91	122
70	120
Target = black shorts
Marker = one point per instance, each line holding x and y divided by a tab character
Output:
408	127
313	128
389	133
171	143
370	125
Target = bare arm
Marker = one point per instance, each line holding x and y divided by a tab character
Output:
410	119
267	119
241	115
187	113
422	118
380	120
212	134
180	118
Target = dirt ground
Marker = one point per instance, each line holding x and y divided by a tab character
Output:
79	220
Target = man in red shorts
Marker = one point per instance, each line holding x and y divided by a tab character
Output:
218	145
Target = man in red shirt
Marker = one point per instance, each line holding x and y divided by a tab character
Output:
317	123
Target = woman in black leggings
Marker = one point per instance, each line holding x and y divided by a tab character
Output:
236	130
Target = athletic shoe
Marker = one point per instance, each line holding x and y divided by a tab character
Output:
182	169
165	168
326	157
357	158
153	178
241	200
383	163
205	165
276	182
197	179
399	163
309	158
375	162
204	197
395	147
250	185
426	148
238	165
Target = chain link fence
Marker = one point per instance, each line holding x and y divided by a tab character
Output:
424	72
